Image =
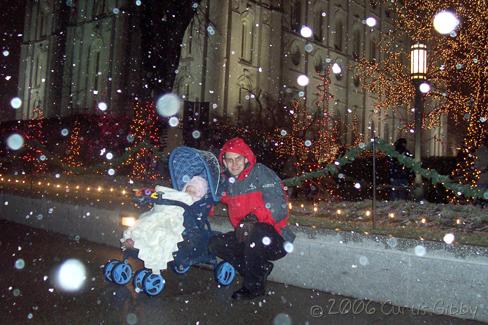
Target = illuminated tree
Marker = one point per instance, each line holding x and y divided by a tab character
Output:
292	143
72	159
326	147
144	134
34	137
457	70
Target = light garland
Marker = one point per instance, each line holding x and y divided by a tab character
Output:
351	154
458	72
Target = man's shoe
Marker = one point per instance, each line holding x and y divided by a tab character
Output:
244	294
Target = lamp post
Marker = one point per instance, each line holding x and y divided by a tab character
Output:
418	72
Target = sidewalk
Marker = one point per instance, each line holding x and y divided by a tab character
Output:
29	297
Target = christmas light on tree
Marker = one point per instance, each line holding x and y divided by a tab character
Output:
457	71
326	147
34	156
72	160
143	129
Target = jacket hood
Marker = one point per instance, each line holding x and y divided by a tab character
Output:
237	145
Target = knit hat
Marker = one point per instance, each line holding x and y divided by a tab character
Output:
200	185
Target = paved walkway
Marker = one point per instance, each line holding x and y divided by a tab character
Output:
29	257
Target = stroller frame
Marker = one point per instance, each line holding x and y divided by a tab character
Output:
184	163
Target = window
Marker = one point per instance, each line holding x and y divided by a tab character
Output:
242	95
37	75
96	83
338	35
296	56
246	40
373	50
320	65
386	132
356	45
356	81
98	7
42	25
319	26
190	38
93	73
296	13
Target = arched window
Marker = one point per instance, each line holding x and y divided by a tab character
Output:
183	87
319	26
247	36
244	107
94	73
187	46
356	81
296	56
44	12
386	132
320	65
38	72
356	45
296	16
98	7
373	51
339	30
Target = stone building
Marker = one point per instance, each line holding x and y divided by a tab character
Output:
238	57
76	55
243	55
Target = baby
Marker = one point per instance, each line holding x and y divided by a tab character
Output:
159	230
197	187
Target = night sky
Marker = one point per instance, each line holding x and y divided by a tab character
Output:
11	27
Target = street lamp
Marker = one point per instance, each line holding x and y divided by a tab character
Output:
418	72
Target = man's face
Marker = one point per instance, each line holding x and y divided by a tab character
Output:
234	163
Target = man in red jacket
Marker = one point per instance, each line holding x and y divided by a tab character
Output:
257	207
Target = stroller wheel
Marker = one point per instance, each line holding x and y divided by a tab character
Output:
139	278
107	269
153	284
180	269
224	273
121	273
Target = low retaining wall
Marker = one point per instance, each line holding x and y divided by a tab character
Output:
429	276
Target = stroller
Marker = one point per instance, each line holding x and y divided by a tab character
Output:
184	163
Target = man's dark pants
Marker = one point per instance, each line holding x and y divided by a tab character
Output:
250	252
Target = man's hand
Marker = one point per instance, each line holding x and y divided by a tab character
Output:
250	218
245	228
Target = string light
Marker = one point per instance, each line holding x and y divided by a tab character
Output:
459	69
73	149
143	126
32	154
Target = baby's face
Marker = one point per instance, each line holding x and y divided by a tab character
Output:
190	189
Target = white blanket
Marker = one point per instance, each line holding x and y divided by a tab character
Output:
158	230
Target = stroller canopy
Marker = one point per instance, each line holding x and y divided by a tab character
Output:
186	162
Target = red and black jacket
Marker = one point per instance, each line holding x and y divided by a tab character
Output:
257	190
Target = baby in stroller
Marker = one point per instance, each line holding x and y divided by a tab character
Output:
156	233
176	229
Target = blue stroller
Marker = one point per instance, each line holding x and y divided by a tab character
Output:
184	163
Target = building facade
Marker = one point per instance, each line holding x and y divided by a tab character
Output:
243	55
76	55
239	56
